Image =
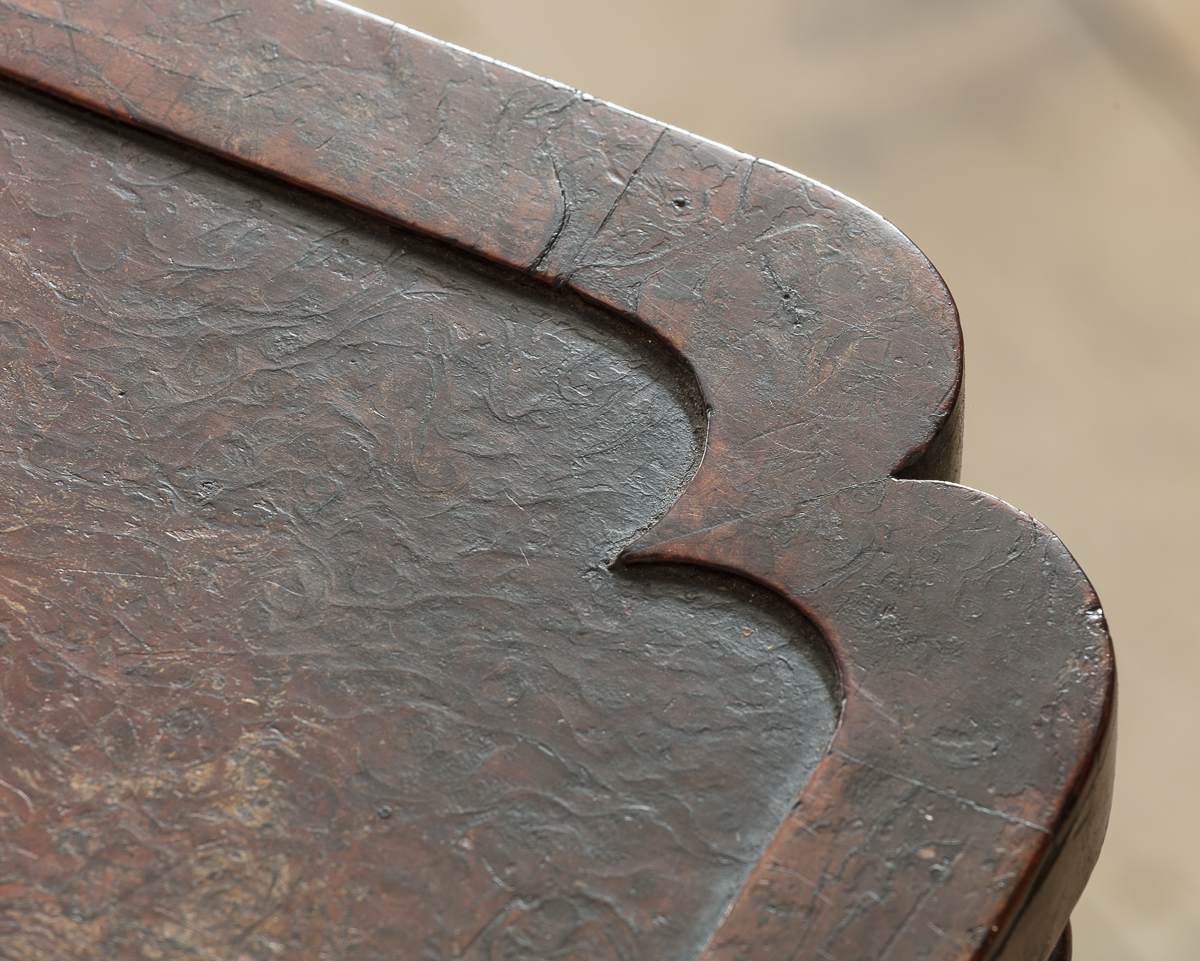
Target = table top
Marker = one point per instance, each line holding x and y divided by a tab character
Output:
464	534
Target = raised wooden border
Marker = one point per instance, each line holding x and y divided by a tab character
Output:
964	798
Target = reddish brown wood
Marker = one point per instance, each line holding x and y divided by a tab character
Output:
964	798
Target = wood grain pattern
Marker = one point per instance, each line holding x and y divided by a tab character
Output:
280	487
964	798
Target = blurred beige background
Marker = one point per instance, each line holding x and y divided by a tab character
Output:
1045	154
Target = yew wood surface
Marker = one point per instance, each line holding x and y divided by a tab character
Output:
963	800
329	643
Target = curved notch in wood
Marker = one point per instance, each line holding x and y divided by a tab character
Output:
966	794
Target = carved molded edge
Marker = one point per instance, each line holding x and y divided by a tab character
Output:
966	792
785	297
830	354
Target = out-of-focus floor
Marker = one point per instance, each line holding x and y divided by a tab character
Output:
1045	154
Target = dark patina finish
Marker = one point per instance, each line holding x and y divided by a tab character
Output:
366	601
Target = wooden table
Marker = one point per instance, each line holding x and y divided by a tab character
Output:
446	516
